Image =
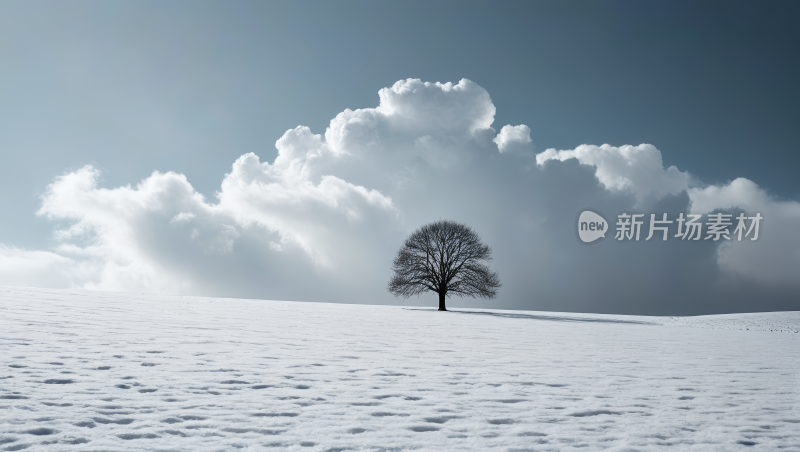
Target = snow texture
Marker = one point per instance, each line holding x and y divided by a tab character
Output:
95	371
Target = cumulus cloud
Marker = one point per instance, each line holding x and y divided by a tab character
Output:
513	138
110	228
638	169
775	257
740	193
283	199
323	220
122	232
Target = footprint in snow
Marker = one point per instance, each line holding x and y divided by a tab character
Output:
594	413
101	420
501	421
129	436
41	431
192	417
439	419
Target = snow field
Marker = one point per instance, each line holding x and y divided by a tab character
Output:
95	371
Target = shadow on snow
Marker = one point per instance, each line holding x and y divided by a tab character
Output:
541	317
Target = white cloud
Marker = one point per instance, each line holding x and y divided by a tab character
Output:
428	108
123	233
282	199
20	267
112	230
775	257
513	138
742	193
438	124
638	169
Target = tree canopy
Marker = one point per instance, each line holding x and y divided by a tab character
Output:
447	258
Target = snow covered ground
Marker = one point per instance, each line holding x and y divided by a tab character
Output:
95	371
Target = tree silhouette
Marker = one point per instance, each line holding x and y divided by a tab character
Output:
447	258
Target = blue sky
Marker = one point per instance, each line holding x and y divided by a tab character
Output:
190	87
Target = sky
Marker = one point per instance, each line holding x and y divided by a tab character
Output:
284	150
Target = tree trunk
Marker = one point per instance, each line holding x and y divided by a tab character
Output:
441	301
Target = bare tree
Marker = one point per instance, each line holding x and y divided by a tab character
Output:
447	258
